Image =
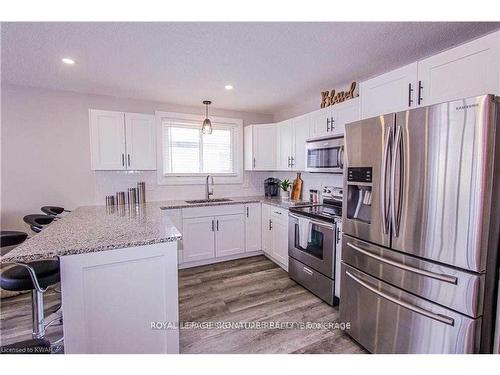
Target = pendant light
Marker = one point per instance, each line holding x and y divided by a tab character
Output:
207	124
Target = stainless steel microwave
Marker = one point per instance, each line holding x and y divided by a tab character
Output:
325	155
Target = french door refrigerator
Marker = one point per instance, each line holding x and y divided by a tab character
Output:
421	228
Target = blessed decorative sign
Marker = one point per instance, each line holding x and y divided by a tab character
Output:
329	98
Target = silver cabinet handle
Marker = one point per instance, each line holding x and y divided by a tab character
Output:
289	161
318	223
123	159
416	309
419	271
383	178
247	211
327	124
277	212
292	161
254	162
270	224
213	226
394	214
410	96
128	157
332	121
307	270
217	225
420	88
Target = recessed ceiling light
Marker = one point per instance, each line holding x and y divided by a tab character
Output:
68	61
228	87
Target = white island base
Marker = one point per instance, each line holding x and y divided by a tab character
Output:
111	298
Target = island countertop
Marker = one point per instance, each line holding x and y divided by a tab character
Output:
98	228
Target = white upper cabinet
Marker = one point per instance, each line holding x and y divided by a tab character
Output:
263	148
107	140
390	92
120	141
301	130
140	141
467	70
320	122
285	149
344	113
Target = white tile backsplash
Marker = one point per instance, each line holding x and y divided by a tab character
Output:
312	180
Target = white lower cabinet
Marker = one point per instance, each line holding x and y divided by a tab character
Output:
275	234
229	235
253	233
198	239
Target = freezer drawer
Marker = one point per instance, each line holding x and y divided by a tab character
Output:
386	319
456	289
312	280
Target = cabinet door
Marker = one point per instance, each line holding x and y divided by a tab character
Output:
248	147
301	130
321	122
344	113
280	238
141	141
229	235
267	241
390	92
470	69
253	227
107	140
284	151
198	238
264	147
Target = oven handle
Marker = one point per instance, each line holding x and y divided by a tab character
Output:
318	223
437	276
440	318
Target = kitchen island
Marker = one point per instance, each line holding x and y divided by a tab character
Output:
118	277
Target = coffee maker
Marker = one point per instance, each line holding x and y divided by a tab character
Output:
271	187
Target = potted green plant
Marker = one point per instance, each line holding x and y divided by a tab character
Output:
285	186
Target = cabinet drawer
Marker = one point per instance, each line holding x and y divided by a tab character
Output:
279	213
213	210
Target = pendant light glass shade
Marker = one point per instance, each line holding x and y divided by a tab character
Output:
207	124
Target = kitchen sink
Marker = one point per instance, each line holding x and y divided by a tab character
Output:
215	200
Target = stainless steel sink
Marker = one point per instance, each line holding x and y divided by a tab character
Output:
215	200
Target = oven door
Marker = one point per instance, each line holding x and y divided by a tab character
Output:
325	155
320	251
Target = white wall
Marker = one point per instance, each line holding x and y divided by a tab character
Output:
45	153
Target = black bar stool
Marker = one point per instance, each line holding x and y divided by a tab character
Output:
37	221
36	276
53	210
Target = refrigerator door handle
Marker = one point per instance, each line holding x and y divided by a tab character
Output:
395	210
440	318
437	276
383	177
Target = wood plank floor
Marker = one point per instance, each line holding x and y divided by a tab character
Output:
240	291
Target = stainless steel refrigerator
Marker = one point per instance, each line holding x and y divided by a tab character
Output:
421	228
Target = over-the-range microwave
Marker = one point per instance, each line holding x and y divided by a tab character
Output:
325	155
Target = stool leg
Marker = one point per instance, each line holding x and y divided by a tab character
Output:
38	314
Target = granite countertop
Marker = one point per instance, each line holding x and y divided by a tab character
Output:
98	228
275	201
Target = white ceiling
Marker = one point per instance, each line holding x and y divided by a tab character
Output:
271	65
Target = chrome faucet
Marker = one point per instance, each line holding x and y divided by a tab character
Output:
208	191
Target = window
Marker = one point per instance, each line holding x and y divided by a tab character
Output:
186	154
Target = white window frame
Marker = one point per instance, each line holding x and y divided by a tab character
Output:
199	178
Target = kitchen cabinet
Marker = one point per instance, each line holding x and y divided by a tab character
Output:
267	239
175	215
198	238
107	140
285	154
320	122
467	70
253	233
344	113
122	141
275	234
229	235
140	136
301	131
390	92
260	147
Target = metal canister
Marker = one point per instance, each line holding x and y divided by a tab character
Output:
110	200
120	198
141	192
132	196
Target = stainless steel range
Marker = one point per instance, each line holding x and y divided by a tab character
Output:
314	238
